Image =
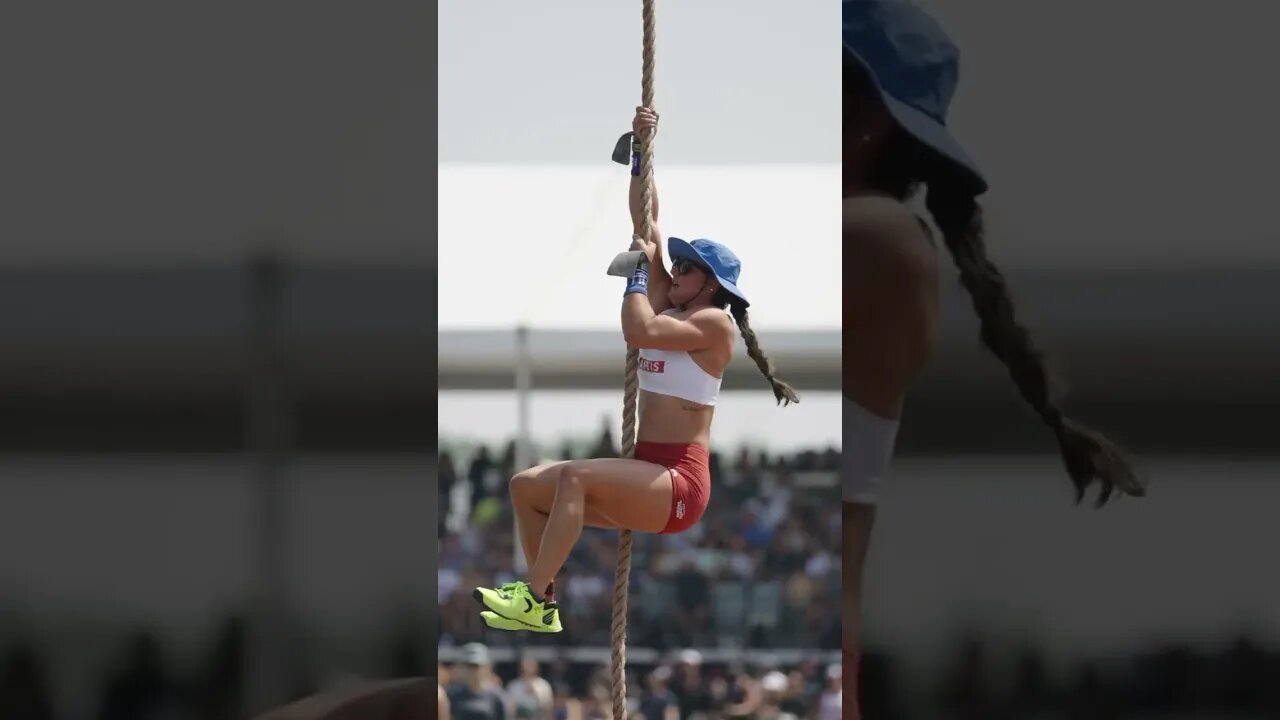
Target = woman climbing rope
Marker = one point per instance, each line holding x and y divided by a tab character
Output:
686	340
900	71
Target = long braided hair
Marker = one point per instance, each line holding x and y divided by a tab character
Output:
782	391
900	169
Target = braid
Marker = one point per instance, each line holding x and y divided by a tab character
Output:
783	392
1086	453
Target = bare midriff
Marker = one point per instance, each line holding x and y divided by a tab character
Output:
667	419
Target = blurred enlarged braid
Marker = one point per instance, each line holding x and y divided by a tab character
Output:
900	168
622	577
1087	455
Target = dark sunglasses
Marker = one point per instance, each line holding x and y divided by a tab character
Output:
680	266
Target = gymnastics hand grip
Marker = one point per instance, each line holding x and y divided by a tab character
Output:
622	151
625	263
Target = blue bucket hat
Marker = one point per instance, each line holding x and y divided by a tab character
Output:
915	68
713	256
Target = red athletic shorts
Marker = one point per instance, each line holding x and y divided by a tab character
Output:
690	480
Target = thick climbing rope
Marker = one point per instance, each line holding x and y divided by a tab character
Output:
622	577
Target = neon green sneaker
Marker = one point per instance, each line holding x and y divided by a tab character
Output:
497	622
514	601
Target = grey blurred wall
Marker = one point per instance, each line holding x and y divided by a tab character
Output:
168	541
144	132
151	152
182	440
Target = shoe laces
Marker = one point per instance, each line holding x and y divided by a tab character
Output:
512	588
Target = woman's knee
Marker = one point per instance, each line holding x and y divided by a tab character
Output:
522	483
536	486
573	477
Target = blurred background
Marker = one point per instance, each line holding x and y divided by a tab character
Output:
214	434
1131	215
738	616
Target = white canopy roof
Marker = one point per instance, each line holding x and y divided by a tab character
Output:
536	240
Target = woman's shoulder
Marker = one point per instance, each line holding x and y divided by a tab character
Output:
709	316
876	226
882	216
700	312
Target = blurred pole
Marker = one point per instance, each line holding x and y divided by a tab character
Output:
524	446
270	437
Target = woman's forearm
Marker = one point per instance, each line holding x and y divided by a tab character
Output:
636	314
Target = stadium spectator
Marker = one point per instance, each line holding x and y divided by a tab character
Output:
447	480
658	702
830	702
690	686
744	696
476	695
529	693
774	684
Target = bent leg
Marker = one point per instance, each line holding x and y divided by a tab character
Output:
532	493
857	521
630	494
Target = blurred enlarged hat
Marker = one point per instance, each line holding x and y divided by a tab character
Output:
915	68
476	654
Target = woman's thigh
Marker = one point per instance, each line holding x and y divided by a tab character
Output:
632	494
621	493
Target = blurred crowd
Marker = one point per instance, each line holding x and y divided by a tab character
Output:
760	570
145	679
684	687
141	682
1233	679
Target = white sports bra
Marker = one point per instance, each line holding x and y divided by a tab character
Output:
673	373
